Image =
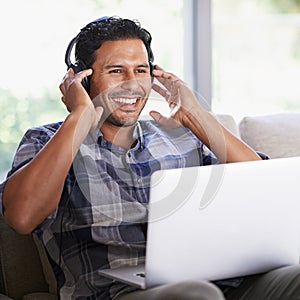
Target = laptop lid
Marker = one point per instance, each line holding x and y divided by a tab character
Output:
218	222
223	221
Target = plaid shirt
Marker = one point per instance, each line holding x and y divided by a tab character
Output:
101	219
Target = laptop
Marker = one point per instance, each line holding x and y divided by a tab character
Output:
219	222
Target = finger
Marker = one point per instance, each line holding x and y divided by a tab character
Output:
99	111
166	122
82	74
168	80
62	88
71	71
160	73
163	92
173	99
168	94
66	79
157	67
163	78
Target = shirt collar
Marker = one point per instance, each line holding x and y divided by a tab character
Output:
138	134
96	135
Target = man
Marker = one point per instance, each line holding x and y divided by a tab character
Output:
83	185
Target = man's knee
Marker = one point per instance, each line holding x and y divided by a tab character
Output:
286	281
189	290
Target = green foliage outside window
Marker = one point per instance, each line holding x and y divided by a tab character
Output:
18	114
283	6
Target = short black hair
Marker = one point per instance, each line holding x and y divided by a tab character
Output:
94	34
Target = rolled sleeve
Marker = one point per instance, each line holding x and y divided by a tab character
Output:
2	185
31	144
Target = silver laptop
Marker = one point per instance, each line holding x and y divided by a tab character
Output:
219	222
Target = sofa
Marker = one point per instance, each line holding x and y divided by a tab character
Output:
25	272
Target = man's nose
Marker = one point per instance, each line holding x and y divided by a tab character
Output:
130	82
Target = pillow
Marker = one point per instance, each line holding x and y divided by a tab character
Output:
276	135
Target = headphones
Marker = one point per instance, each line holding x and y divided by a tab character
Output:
79	65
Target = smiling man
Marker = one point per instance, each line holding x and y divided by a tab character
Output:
82	185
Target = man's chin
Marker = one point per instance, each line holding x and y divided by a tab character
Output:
122	122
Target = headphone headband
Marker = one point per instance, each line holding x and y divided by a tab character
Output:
79	65
68	52
74	40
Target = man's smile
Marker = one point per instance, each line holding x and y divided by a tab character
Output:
126	100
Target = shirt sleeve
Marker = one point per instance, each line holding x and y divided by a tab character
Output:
31	144
208	156
263	155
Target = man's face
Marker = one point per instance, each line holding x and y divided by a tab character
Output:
121	80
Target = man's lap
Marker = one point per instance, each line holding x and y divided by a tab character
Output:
188	290
279	284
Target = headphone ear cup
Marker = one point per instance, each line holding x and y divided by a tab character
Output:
151	67
151	70
78	67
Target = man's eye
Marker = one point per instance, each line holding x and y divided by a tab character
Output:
141	71
116	71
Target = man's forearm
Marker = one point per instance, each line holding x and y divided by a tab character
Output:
218	139
34	191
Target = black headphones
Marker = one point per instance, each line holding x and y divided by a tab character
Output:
79	65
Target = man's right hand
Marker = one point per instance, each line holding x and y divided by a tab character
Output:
75	97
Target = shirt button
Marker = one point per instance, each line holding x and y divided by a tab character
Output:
140	180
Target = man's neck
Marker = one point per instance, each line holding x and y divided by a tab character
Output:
119	136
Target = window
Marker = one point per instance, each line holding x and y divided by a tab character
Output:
256	56
34	38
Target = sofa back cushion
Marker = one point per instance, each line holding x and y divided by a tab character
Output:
276	135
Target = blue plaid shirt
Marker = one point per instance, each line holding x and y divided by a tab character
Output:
101	219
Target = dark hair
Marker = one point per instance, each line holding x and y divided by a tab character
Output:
94	34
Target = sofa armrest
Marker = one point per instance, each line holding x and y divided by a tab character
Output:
3	297
21	271
39	296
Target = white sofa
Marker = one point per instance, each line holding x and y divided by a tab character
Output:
277	135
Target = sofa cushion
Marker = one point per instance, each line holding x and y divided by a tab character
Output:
276	135
21	269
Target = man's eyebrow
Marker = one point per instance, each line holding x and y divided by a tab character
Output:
146	65
113	66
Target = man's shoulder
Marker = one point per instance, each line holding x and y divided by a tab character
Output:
50	126
46	129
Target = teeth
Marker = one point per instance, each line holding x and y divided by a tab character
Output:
126	100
